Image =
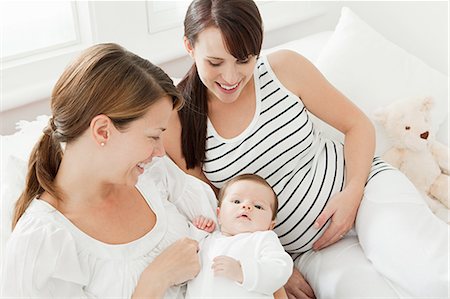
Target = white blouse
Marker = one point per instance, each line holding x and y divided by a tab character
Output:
47	256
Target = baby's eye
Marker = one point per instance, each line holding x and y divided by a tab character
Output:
407	128
236	201
259	207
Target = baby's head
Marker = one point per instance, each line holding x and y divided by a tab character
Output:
247	203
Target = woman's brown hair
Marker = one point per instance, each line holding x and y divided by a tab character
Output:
104	79
241	26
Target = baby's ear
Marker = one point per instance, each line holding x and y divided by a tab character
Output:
272	225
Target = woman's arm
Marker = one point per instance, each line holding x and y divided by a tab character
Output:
191	196
328	104
176	264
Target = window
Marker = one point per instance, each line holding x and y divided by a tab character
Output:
33	27
163	15
38	39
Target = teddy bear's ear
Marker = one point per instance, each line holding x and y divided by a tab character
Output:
380	115
426	104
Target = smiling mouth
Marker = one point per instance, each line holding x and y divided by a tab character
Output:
228	88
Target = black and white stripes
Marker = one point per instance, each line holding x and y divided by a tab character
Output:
282	146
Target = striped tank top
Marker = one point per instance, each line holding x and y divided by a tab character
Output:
282	145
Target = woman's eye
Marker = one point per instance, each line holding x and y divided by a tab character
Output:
214	64
245	60
258	207
236	201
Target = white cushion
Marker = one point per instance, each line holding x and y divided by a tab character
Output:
372	72
16	149
309	46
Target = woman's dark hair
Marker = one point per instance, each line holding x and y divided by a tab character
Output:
241	26
104	79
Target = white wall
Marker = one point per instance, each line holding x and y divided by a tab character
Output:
420	27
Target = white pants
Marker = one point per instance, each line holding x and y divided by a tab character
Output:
403	249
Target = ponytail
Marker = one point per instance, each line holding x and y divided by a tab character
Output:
43	166
193	118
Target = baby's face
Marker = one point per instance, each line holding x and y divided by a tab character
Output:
246	207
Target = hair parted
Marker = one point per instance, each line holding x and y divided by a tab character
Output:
105	79
240	24
253	178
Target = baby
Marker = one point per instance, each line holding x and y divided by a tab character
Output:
245	258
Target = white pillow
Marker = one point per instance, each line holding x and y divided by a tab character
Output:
372	72
309	46
16	149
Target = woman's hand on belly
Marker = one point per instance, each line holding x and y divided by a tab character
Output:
341	208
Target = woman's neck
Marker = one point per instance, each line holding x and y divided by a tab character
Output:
240	113
78	180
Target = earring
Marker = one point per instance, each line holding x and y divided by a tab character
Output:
102	144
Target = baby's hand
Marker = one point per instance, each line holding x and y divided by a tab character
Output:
228	267
204	223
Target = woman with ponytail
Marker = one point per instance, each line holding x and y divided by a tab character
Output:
95	219
247	113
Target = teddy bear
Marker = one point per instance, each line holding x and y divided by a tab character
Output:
414	150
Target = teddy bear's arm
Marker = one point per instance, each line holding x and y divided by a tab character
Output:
440	153
393	156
